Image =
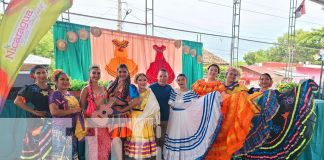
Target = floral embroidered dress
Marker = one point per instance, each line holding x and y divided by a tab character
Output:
37	140
64	137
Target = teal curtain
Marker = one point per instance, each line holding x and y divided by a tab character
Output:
314	150
76	59
13	126
190	67
10	110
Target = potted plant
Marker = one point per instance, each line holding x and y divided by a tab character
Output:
285	87
76	87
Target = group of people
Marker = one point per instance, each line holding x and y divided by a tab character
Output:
214	120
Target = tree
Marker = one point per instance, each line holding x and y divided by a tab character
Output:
249	58
307	44
45	47
255	57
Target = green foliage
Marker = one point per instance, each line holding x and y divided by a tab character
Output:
242	63
105	84
306	41
284	87
255	57
249	58
45	47
77	85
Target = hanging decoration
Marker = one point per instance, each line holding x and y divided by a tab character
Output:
193	52
159	63
192	61
199	59
61	45
83	34
177	44
72	36
186	49
76	58
139	50
121	57
120	44
95	31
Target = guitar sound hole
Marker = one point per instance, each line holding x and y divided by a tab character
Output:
104	112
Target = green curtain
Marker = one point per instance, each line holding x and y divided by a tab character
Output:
190	67
76	59
314	150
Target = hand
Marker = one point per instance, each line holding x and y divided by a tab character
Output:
39	113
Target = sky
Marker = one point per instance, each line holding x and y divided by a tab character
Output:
262	20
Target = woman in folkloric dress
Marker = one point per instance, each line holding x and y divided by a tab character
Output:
66	110
142	143
95	95
284	124
238	112
193	123
125	97
37	139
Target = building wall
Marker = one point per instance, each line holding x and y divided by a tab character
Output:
253	82
313	73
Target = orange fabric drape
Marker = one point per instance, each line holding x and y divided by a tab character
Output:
139	50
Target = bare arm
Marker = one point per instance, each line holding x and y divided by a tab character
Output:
83	97
55	111
19	102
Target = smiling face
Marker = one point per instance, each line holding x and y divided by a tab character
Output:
212	72
40	75
265	82
231	76
141	82
122	73
162	78
63	82
95	74
182	81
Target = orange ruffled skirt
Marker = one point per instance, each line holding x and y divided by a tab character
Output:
238	112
